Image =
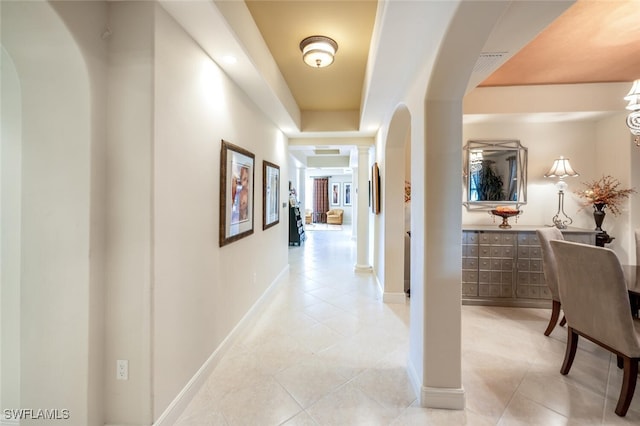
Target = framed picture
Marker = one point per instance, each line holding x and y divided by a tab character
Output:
347	194
375	188
334	195
270	194
236	193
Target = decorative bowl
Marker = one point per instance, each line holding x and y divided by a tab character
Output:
505	215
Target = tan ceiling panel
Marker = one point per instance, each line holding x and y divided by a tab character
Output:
284	24
594	41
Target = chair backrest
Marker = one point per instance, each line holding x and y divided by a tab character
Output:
594	295
638	246
545	236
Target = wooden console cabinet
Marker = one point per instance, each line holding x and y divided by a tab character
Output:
504	267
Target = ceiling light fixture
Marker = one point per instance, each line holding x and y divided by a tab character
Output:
318	51
633	119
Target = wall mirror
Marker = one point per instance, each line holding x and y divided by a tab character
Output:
495	173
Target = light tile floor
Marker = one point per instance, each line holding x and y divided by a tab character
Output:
327	351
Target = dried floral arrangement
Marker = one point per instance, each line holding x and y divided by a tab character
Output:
407	191
605	190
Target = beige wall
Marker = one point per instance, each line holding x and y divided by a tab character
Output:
202	291
129	272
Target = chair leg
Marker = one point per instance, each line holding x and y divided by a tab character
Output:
563	321
555	313
629	379
620	361
570	353
634	301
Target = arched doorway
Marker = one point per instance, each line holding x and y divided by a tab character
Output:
46	224
397	170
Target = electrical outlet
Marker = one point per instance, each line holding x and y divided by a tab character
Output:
122	369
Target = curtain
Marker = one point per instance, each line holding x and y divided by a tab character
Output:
320	199
513	178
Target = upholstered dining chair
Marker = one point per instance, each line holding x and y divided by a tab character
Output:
545	235
595	302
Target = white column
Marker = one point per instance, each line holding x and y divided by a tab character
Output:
442	257
362	245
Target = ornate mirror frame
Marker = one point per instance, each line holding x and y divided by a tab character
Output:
479	153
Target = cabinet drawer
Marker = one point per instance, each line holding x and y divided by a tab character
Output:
535	252
484	277
469	237
469	276
485	238
536	279
485	264
523	265
535	265
508	238
470	263
469	289
528	239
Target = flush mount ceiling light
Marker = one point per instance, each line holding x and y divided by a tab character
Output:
318	51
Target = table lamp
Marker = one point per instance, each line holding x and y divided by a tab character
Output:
561	169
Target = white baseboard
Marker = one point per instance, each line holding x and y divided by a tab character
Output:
447	398
180	402
378	284
444	398
389	297
416	382
397	298
367	269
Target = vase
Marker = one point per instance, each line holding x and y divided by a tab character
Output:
598	215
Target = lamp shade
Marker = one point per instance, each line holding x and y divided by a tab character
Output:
561	169
318	51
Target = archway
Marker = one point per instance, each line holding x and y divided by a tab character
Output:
397	142
46	139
